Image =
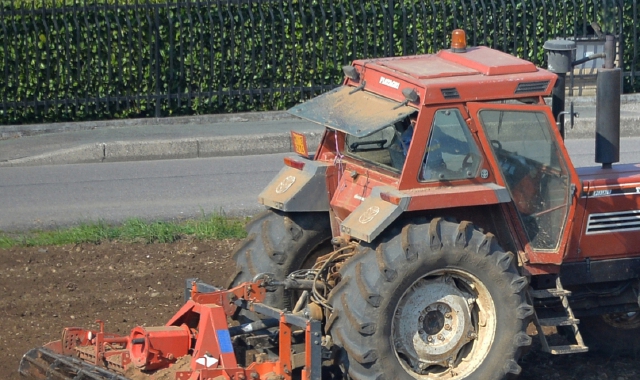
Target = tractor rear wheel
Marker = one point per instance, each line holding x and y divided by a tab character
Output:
615	334
279	243
431	300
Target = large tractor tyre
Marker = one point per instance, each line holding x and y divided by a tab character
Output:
432	300
280	243
612	334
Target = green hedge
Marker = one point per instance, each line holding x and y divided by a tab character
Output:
95	59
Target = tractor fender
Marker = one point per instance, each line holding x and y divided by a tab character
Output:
375	214
296	190
385	204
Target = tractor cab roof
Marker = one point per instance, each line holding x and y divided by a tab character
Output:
478	74
378	92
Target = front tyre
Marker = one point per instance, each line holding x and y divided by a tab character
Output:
433	300
280	243
616	334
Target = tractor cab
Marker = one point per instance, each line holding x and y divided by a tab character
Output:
464	127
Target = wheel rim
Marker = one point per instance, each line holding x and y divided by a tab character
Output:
443	325
626	321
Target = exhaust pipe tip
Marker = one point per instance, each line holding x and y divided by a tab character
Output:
608	117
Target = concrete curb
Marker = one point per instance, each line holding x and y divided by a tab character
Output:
118	151
12	131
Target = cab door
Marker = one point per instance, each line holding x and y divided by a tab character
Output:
532	163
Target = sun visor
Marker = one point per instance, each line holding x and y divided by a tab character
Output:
358	113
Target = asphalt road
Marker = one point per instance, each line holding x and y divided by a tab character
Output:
46	196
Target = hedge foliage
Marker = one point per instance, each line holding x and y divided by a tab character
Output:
96	59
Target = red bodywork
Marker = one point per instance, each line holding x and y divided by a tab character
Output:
609	203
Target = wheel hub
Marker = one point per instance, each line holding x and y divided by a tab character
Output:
433	322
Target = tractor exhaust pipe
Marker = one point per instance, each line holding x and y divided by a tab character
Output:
608	90
559	62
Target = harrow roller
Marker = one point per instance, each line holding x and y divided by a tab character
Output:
42	363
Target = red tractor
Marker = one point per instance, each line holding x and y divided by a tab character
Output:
438	218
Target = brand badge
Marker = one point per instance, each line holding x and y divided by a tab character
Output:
389	83
368	215
599	193
285	184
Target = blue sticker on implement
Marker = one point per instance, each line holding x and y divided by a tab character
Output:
224	340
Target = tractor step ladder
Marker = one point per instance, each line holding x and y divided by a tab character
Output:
568	320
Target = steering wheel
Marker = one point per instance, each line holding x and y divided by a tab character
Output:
468	161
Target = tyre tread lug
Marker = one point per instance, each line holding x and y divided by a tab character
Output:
462	234
410	250
435	240
505	260
355	350
521	339
366	290
363	327
388	273
519	284
524	311
484	247
512	367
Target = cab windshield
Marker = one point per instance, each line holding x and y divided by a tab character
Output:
534	171
387	147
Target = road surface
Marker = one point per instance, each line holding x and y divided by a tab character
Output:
60	195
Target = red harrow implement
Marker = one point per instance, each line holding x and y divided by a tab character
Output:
197	343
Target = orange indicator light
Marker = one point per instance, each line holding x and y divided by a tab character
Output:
458	41
293	163
390	198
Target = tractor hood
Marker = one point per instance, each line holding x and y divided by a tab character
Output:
356	112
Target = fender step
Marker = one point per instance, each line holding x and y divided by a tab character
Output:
568	320
568	349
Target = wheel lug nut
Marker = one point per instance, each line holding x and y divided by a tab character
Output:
447	327
421	332
472	335
440	337
448	315
420	318
430	339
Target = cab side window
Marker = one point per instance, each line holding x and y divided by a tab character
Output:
451	151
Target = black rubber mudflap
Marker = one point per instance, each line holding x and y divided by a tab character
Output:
42	363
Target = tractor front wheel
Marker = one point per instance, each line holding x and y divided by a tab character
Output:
613	334
433	300
279	243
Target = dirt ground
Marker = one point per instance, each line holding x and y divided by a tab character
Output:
45	289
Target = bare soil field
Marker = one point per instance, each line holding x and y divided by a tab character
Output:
47	288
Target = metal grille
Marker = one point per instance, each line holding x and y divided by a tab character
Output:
523	88
99	59
450	93
614	222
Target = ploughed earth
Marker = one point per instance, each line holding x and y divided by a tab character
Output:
47	288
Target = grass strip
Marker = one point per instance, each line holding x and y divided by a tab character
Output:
213	227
